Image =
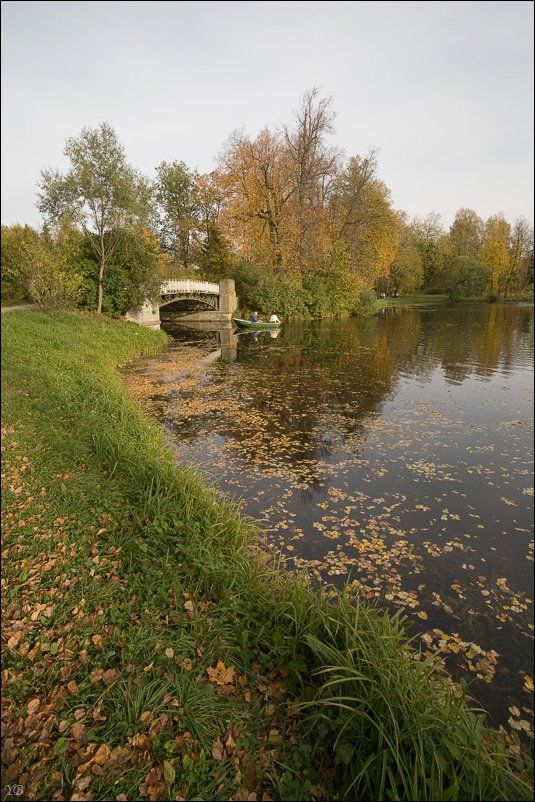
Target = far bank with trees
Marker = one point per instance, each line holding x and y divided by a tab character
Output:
301	227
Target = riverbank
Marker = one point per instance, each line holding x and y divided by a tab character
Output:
418	299
404	300
151	652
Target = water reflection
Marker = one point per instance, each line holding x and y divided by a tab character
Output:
391	455
220	334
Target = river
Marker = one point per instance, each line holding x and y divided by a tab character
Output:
391	455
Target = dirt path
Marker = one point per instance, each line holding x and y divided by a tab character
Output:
14	308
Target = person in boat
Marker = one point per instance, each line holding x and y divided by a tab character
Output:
255	318
274	319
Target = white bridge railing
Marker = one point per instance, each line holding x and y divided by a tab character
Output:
188	286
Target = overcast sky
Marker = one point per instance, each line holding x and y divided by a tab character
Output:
443	89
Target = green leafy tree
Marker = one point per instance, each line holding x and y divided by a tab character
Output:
56	283
333	289
175	194
465	276
133	272
101	192
214	256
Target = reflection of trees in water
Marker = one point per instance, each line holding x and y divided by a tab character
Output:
317	391
328	378
477	339
290	403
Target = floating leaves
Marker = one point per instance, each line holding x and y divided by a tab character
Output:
419	505
478	661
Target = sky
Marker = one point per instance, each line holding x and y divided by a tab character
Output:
444	90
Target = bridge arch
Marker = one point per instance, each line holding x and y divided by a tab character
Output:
210	301
219	299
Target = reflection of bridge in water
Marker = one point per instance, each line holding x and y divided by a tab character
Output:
212	302
197	306
227	337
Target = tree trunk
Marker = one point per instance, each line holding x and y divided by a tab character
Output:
101	274
526	285
275	243
100	288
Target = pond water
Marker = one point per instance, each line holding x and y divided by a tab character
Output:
392	455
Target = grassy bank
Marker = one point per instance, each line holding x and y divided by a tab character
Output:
417	299
151	652
403	300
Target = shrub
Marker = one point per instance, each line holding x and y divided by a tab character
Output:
55	284
40	268
330	291
367	303
20	255
464	276
261	289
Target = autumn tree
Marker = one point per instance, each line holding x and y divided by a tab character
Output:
363	218
494	251
100	192
259	185
429	238
520	257
292	206
313	164
466	234
406	272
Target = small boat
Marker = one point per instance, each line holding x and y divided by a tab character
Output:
258	326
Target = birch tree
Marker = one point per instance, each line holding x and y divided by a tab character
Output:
100	192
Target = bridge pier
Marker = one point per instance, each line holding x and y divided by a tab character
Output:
149	313
228	302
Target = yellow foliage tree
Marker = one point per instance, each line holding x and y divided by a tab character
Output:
495	252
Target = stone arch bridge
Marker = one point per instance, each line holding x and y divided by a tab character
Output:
219	301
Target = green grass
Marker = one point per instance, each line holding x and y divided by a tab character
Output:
403	300
143	572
